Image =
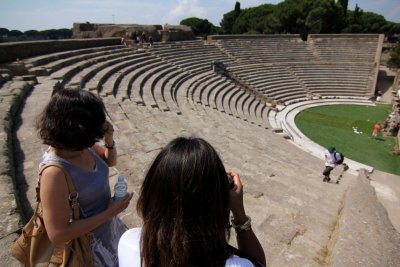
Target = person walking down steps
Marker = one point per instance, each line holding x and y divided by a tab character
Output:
332	159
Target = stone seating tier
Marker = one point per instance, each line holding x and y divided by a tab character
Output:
102	76
85	75
45	59
57	64
109	85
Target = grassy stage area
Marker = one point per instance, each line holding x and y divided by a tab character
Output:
349	129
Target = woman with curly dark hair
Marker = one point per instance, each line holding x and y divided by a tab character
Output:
185	202
71	124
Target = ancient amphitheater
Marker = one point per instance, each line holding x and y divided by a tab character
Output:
155	93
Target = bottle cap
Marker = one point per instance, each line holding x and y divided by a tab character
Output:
120	178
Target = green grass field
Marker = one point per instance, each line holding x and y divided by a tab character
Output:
333	125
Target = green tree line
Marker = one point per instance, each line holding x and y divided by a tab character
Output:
15	35
297	17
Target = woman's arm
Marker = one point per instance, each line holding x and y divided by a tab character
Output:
247	241
57	212
109	152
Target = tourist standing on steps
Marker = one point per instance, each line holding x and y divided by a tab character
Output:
125	39
330	162
185	201
71	124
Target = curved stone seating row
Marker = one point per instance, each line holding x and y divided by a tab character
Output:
109	84
57	61
328	79
210	90
97	81
267	50
197	57
345	49
126	76
165	90
68	72
129	87
37	64
13	93
153	86
85	75
275	82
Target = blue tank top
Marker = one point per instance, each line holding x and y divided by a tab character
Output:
94	196
92	186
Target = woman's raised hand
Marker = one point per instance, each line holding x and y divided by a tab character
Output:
108	133
236	199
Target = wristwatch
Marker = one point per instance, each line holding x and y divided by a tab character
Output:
110	147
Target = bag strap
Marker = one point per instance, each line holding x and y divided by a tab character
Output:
72	193
57	257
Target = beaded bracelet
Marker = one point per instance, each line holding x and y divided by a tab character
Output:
246	226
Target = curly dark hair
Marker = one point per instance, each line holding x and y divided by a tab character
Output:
184	204
73	120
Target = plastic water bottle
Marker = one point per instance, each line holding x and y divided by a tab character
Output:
120	188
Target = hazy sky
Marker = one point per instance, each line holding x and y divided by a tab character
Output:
53	14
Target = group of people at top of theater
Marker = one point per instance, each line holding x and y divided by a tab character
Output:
136	38
185	200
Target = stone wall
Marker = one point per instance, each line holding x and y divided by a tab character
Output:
9	52
159	33
212	38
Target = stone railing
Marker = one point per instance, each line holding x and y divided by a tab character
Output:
9	52
12	96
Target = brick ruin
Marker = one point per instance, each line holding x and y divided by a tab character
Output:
159	33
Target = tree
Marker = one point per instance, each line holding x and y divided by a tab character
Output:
392	29
15	33
357	14
237	9
252	20
229	19
4	31
56	34
31	33
272	24
394	60
227	22
372	22
344	5
200	27
314	20
303	17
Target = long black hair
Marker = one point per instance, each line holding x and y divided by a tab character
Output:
184	203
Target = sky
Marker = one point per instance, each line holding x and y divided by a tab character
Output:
55	14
